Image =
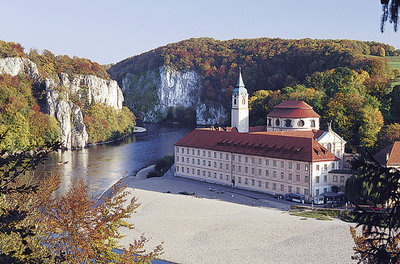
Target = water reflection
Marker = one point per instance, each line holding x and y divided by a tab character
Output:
103	165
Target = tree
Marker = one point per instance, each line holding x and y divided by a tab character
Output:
18	231
390	11
380	187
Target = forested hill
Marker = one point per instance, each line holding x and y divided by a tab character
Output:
267	63
348	82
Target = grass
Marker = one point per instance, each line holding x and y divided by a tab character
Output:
319	215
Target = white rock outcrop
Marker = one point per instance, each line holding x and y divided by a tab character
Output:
58	91
173	88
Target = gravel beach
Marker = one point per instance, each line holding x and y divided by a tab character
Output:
216	224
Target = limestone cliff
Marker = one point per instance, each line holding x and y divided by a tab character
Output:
154	91
62	93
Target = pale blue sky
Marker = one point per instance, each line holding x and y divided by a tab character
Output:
110	31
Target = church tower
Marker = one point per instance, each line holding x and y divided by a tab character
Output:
240	107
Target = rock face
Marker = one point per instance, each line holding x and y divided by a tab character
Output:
161	88
60	92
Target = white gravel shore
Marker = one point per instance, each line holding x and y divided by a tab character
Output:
212	226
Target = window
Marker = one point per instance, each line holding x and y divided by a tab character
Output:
227	157
329	146
252	160
259	183
183	169
227	177
215	155
306	179
306	167
198	152
312	123
274	174
333	166
220	155
267	162
282	187
290	165
220	165
187	170
274	163
192	151
246	170
300	123
240	179
252	171
204	163
198	161
305	191
266	185
277	122
204	173
240	168
209	174
193	171
298	166
266	173
259	171
233	157
298	190
325	178
260	161
209	154
246	181
289	189
187	151
198	172
288	123
227	166
192	161
252	182
317	192
290	176
282	164
215	175
187	160
177	149
282	175
269	122
233	167
317	167
274	186
215	164
335	178
317	179
209	163
297	177
240	158
341	179
177	168
325	167
177	158
246	159
204	153
220	176
325	190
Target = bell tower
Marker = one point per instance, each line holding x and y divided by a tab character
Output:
240	107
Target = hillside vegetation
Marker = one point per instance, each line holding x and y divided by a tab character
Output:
346	81
22	102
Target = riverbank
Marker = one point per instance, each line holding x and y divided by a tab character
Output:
204	223
137	130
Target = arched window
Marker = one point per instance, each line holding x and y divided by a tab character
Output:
277	122
269	122
243	101
234	101
329	147
312	123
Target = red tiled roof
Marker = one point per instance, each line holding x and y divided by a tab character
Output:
297	133
293	109
259	144
389	156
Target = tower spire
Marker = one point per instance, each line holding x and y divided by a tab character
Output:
240	82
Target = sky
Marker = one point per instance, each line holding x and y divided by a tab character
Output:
108	31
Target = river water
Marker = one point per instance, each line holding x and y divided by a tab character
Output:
103	165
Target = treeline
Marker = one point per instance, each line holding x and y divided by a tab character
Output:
267	63
50	64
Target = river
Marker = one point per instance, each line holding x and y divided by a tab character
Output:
102	166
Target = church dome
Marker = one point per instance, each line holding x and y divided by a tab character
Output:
293	109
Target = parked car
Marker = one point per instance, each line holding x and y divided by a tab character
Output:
299	198
319	199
